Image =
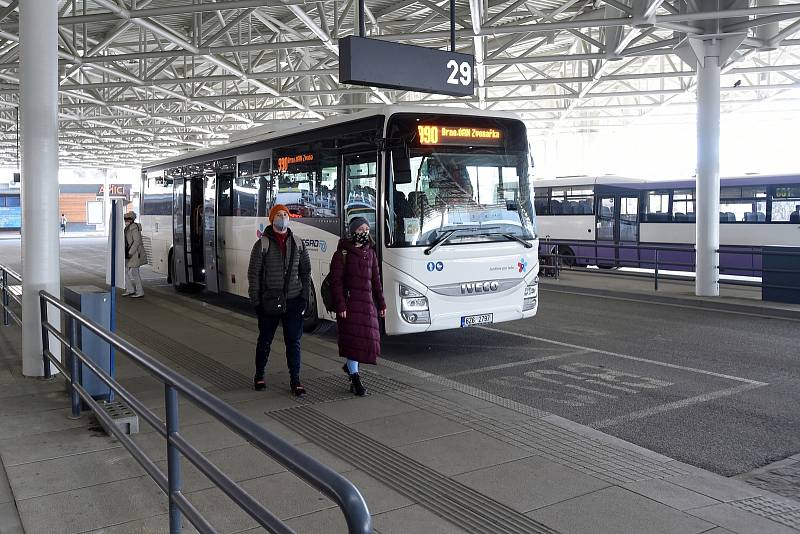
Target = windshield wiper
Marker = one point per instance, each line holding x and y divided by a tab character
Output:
445	237
441	240
512	237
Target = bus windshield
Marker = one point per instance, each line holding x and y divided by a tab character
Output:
485	197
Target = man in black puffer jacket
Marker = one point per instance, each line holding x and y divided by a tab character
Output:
279	277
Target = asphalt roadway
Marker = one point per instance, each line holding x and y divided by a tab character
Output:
719	390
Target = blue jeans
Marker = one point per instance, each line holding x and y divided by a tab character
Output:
292	332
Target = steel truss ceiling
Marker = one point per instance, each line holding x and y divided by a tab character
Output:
145	79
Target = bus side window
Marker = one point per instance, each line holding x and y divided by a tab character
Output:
361	173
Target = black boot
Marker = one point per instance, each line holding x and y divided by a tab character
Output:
356	386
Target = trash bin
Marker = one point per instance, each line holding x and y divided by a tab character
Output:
94	303
780	279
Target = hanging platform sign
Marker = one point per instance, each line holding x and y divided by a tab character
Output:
389	65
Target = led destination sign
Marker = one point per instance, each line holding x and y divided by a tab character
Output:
459	135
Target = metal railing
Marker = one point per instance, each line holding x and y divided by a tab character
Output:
8	295
556	262
326	480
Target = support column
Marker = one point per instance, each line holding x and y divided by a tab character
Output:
708	132
38	32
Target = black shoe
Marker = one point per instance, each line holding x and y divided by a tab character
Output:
259	384
297	388
356	386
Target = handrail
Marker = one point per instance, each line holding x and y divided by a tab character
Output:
318	475
5	274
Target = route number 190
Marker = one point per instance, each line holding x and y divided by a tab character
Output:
460	73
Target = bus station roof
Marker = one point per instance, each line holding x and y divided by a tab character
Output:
142	80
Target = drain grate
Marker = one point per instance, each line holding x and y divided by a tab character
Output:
450	500
124	418
328	388
195	362
781	512
560	445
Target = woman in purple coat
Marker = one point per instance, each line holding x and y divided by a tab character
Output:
358	298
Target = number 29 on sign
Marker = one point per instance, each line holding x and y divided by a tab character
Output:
460	73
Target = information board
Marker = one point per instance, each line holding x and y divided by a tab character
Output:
377	63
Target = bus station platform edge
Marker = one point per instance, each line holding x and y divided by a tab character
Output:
430	455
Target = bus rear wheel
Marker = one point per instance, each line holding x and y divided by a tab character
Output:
566	257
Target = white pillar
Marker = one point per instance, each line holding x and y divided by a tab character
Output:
38	32
708	131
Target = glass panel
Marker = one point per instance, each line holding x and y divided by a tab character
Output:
605	220
482	195
297	176
786	210
225	196
657	207
360	173
683	205
629	219
245	196
742	210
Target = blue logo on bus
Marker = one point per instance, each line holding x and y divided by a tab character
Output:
438	266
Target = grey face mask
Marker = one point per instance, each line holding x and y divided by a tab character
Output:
280	224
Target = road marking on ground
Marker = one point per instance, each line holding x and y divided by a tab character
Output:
674	405
515	364
686	306
662	408
624	356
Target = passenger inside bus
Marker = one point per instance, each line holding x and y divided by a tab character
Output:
795	216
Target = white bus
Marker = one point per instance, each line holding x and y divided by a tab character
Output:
611	221
447	194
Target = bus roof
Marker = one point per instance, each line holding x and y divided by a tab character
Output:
244	140
607	179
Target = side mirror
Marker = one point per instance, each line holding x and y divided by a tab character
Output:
401	164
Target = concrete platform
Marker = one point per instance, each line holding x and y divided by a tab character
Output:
429	454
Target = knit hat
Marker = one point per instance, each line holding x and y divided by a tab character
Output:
130	215
355	223
275	209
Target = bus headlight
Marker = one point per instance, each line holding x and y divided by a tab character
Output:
414	306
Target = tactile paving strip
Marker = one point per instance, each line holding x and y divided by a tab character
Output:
450	500
197	363
780	512
560	445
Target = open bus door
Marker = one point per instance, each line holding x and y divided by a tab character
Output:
187	238
617	227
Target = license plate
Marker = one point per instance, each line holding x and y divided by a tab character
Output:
472	320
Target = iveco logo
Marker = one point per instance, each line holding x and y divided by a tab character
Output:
470	288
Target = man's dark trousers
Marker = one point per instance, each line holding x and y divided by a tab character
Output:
292	332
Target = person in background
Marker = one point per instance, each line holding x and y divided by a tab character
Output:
63	223
135	256
279	278
795	216
358	297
